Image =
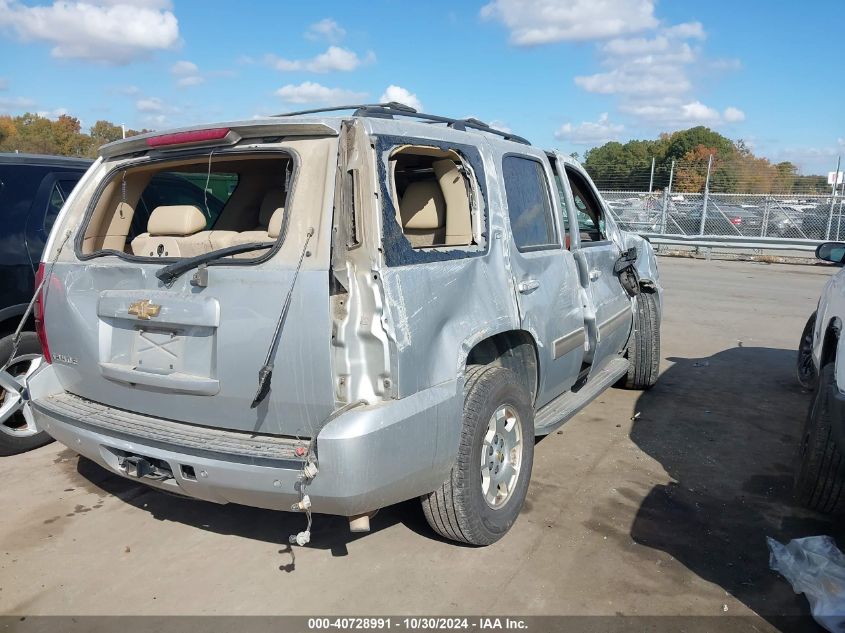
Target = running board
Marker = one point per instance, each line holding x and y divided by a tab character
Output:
568	404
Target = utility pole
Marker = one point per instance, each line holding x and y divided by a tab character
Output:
123	129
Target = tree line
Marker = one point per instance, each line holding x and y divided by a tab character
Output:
35	134
734	167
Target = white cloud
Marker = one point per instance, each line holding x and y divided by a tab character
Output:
150	104
311	92
590	132
15	104
501	126
334	59
108	31
187	74
184	67
652	76
534	22
733	115
674	112
326	29
52	114
401	95
697	112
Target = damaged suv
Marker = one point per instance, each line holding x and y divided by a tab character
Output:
363	309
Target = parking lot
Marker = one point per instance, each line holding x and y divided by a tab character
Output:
643	504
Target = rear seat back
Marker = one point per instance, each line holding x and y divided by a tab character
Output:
173	231
271	216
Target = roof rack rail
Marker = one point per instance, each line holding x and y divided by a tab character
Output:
393	108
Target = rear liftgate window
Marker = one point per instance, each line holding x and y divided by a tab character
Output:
433	202
188	207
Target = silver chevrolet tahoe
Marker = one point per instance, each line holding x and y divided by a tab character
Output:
341	312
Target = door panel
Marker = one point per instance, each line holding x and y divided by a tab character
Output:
545	276
608	314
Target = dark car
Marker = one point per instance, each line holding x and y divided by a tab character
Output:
723	220
820	223
32	191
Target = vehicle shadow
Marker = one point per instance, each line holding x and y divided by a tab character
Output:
271	526
725	429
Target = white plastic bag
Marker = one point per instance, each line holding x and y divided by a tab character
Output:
815	567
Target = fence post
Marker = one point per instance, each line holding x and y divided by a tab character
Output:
706	195
765	226
651	178
833	197
667	198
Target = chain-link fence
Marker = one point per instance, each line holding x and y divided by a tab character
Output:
721	214
714	198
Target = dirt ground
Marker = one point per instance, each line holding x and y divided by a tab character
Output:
643	504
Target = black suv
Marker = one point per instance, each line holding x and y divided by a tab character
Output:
32	191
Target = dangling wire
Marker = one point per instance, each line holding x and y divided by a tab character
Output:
17	335
122	194
207	181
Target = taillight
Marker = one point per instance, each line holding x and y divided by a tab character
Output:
184	138
736	220
39	314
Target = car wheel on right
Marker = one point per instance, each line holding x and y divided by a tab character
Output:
820	471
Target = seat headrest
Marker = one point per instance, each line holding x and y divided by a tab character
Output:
275	226
273	200
422	207
177	220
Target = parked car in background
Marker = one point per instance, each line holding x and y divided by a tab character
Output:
33	189
819	223
387	306
722	220
820	465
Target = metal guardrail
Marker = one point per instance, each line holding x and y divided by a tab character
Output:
726	241
742	221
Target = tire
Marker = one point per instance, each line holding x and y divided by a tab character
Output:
820	468
15	435
643	351
805	368
463	509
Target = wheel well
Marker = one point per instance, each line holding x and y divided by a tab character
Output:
514	350
831	342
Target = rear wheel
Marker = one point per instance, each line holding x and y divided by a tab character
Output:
805	367
820	468
17	426
486	489
643	351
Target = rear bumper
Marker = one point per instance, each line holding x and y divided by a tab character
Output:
369	457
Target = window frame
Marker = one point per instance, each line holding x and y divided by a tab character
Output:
556	230
396	247
606	238
287	152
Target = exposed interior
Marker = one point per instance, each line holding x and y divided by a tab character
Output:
435	197
190	206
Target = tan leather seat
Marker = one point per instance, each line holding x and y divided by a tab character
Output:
458	215
422	213
271	216
173	231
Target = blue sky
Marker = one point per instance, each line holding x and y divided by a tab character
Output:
570	74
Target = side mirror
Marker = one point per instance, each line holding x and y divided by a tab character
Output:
831	252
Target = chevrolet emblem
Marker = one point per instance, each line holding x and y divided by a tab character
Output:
143	309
